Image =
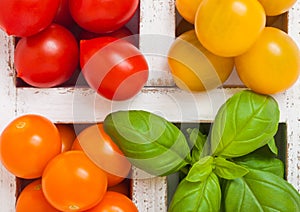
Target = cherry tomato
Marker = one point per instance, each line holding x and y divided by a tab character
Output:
114	201
103	15
228	28
115	68
201	70
27	144
119	33
63	15
272	64
67	134
72	182
24	18
32	199
277	7
104	152
122	187
48	58
187	9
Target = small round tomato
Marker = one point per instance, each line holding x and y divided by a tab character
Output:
277	7
27	144
228	28
272	64
32	199
68	136
72	182
113	67
102	16
105	153
187	9
201	70
48	58
114	201
24	18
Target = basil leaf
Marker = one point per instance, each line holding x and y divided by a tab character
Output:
198	140
262	160
272	146
228	170
260	191
245	122
200	170
149	141
197	196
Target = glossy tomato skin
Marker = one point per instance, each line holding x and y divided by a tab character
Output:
114	68
63	15
114	201
47	59
24	18
102	16
27	144
72	182
201	70
187	9
278	7
32	199
228	28
104	152
272	64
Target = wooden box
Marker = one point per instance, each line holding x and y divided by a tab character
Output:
79	104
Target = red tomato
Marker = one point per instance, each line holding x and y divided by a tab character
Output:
120	33
63	15
114	201
32	199
103	152
115	68
102	15
48	58
24	18
27	144
72	182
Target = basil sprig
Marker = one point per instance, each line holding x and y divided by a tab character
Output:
227	170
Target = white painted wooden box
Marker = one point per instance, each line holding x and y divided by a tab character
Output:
77	104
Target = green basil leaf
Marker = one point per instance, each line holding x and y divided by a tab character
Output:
260	191
200	170
245	122
197	196
272	146
198	140
148	141
228	170
262	160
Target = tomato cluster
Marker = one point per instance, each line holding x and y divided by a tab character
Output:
86	175
52	36
266	58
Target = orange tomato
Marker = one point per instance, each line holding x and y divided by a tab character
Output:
228	28
32	199
72	182
27	144
114	201
272	64
68	136
104	152
277	7
201	70
187	9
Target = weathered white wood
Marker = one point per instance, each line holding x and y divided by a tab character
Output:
293	108
7	113
157	31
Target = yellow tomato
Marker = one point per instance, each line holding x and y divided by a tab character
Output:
272	64
229	27
277	7
193	67
187	9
